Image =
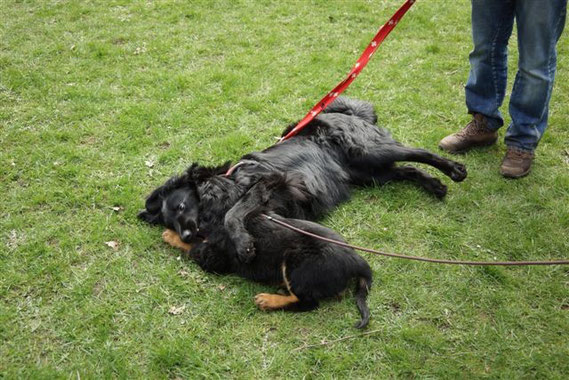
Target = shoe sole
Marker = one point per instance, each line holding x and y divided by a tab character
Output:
514	176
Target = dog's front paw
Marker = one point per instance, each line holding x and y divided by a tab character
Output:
458	172
437	188
245	249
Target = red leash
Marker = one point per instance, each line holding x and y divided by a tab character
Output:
329	98
358	67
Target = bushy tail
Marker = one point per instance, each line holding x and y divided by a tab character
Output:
348	106
363	285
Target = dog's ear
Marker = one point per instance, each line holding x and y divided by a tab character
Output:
153	212
151	218
200	173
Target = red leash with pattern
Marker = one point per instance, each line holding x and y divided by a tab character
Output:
343	85
358	67
329	98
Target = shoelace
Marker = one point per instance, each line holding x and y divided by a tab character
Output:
518	155
473	128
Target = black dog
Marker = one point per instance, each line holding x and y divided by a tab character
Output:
339	149
308	269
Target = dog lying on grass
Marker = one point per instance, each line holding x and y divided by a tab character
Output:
308	270
341	148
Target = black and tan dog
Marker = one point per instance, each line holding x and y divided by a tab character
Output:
309	270
339	149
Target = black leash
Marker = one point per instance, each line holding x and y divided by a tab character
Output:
416	258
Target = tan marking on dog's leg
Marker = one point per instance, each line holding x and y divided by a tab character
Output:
171	237
285	280
266	301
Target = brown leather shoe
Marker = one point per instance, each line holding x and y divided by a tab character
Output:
516	163
476	133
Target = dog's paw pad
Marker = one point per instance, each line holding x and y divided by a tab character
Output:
264	301
246	252
458	172
440	191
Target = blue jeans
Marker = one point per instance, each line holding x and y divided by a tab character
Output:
539	25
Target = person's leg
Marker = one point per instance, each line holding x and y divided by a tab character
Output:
539	25
492	23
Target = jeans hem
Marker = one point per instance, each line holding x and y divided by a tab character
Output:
491	123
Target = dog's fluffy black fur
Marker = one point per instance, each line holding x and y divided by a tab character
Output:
339	149
308	269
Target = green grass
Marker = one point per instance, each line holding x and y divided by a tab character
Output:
92	91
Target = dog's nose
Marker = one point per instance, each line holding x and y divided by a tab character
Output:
186	234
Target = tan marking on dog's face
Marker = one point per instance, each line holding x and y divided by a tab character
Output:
266	301
171	237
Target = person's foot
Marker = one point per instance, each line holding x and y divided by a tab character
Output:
516	163
475	134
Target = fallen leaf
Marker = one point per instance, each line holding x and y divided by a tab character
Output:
221	287
183	273
149	163
117	208
140	50
112	244
176	310
14	239
34	324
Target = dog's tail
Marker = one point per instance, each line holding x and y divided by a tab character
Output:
349	106
363	285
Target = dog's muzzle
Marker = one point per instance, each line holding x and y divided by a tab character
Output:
188	231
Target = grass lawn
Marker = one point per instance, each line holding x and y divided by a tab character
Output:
101	101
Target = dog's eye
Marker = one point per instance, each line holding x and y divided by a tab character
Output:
181	207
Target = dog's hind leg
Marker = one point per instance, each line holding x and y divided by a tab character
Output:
395	153
288	301
356	107
267	301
